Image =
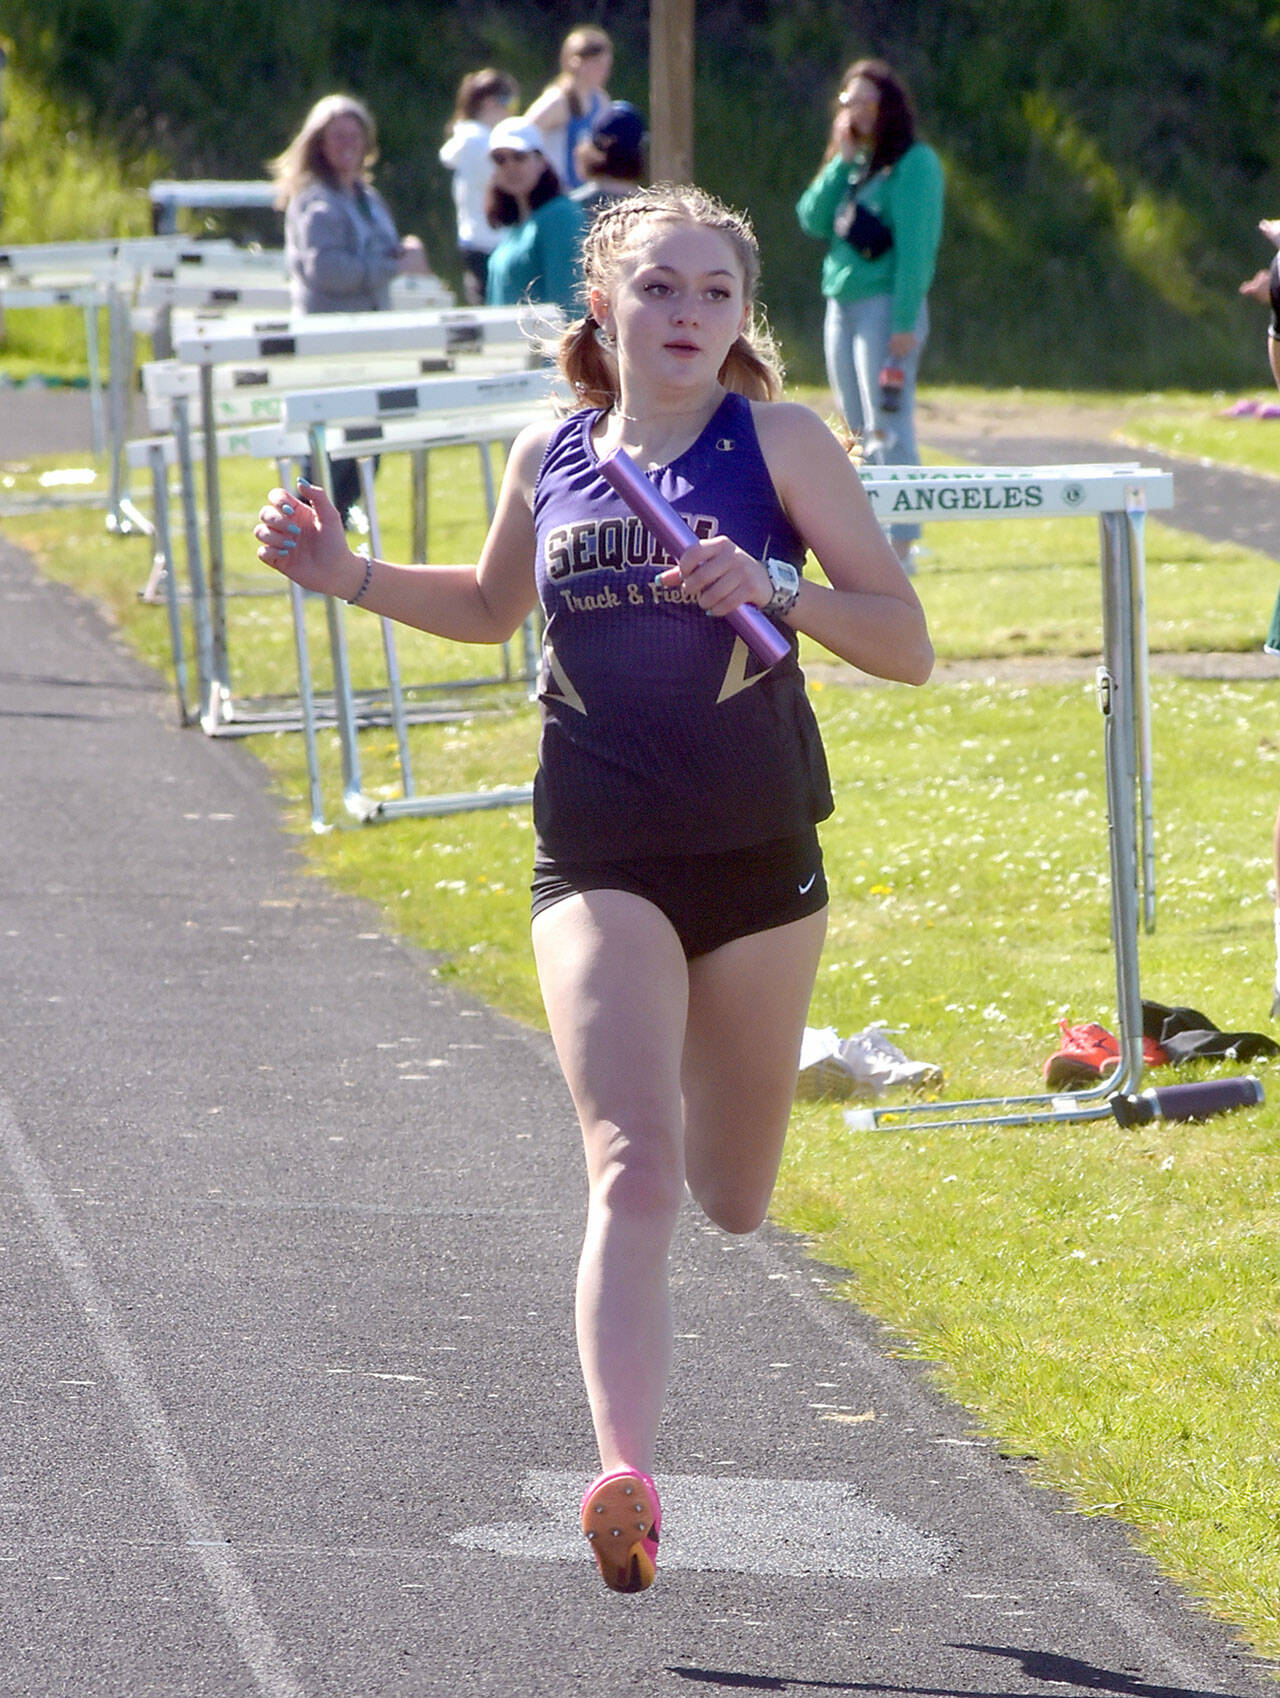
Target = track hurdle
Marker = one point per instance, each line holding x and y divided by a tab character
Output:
254	393
1120	496
346	335
90	298
112	268
486	400
158	455
464	411
249	282
167	195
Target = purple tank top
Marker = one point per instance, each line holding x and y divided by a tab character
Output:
661	734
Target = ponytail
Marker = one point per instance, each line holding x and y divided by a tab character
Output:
587	365
752	368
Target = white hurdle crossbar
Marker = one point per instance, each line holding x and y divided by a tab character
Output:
1120	496
251	281
167	195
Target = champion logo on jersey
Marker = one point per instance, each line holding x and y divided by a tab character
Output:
726	445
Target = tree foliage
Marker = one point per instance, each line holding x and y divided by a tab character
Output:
1107	165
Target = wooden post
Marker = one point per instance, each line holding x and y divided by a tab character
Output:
671	91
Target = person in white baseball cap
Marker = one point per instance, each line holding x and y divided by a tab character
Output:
537	257
516	135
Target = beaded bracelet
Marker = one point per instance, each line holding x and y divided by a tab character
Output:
353	600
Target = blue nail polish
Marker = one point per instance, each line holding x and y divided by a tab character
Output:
286	508
296	529
285	546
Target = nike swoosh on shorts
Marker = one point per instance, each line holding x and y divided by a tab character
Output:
807	886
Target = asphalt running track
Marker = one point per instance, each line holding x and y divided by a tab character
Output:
288	1232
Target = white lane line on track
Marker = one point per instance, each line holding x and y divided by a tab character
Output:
204	1540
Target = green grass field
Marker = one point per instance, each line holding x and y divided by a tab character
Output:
1106	1302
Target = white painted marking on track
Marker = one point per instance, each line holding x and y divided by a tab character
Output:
205	1540
731	1526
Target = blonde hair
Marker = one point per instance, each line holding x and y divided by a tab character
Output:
588	39
303	161
578	41
752	367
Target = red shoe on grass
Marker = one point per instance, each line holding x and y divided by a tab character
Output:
1089	1053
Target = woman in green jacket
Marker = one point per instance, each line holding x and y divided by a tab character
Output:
877	203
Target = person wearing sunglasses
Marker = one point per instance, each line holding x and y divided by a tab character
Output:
568	109
537	257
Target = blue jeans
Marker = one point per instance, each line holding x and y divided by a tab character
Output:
855	341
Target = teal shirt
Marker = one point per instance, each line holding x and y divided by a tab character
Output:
908	196
538	259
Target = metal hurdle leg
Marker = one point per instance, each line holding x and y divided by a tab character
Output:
395	692
221	681
418	464
122	516
195	562
1136	512
353	797
1116	701
164	575
1117	698
298	607
97	429
306	694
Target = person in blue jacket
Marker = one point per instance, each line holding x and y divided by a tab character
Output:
877	203
537	258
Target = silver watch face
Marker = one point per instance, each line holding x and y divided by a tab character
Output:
783	576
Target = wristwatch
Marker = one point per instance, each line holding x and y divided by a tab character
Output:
786	587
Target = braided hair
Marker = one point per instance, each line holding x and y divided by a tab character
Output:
752	366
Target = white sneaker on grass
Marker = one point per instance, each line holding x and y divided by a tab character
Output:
864	1065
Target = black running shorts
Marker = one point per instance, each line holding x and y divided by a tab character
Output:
709	899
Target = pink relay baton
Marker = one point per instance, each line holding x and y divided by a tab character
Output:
761	636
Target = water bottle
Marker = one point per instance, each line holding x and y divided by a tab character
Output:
892	379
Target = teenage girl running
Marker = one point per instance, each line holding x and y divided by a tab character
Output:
679	899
